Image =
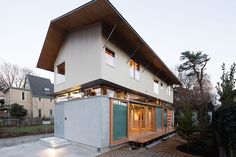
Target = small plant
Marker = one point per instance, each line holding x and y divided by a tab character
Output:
187	125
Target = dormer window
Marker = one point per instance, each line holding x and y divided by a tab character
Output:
46	90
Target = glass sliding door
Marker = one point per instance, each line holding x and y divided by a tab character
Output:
165	118
120	118
159	112
141	117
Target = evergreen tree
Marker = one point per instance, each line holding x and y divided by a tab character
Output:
225	89
195	65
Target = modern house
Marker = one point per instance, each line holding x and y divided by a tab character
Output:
110	86
36	96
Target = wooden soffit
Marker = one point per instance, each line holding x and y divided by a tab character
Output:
98	11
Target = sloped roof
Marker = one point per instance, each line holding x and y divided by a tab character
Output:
94	12
38	85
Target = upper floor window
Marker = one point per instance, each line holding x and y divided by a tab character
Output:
60	76
134	70
110	57
156	86
50	113
161	85
39	113
23	96
169	90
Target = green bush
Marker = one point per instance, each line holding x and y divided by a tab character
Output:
18	111
187	124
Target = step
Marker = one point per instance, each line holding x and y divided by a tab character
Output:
55	142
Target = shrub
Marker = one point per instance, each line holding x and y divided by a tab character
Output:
18	111
225	124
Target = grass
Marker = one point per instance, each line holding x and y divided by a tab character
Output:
15	131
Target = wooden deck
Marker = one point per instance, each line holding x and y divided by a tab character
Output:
143	137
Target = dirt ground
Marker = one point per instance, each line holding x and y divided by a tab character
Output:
164	149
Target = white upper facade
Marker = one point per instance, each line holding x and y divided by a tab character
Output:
85	59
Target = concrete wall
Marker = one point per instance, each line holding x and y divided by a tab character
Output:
85	121
120	74
14	95
81	52
45	104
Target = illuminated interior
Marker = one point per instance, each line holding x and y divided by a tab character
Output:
141	117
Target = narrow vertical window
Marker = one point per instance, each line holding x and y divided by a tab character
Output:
110	57
39	99
137	71
134	70
131	68
50	113
161	85
39	112
169	90
23	96
60	76
156	86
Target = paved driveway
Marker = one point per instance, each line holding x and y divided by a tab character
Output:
37	149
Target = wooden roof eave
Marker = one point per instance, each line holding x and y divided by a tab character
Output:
64	23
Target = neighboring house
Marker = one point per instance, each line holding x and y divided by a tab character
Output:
36	96
1	100
2	109
111	87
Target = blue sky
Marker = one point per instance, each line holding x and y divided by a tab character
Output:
169	27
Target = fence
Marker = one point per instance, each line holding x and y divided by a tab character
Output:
30	121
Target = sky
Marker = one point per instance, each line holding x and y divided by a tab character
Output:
168	26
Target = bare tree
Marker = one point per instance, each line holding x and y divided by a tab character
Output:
12	75
188	95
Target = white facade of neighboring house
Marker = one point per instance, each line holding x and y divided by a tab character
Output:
36	105
109	83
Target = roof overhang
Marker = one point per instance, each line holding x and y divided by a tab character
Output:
100	11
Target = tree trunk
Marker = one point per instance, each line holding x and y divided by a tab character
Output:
202	110
220	148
